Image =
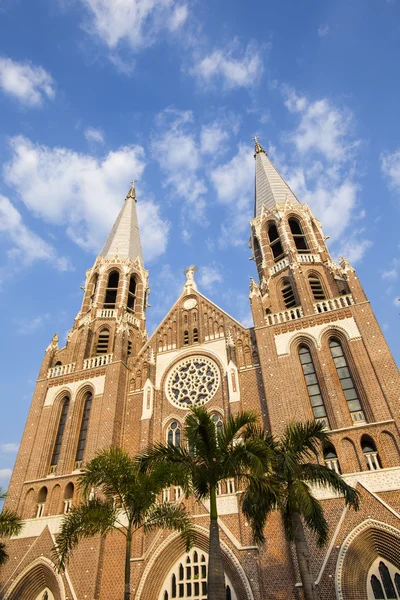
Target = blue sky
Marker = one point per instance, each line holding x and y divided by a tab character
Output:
94	93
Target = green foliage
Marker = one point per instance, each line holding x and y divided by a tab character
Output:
126	500
286	486
10	524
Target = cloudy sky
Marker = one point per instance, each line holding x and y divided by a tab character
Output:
95	93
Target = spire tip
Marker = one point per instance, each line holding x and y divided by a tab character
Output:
258	148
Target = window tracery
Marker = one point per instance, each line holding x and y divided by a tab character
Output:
193	381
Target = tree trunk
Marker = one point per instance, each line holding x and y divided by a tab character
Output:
216	578
127	589
303	558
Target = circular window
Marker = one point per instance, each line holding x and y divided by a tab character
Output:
193	381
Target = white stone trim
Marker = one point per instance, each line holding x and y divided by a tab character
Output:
73	388
346	545
227	504
40	560
234	395
331	545
382	480
148	400
347	326
34	527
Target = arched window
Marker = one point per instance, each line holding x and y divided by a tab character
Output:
289	298
313	389
331	459
131	294
316	287
298	236
112	289
174	434
129	348
387	581
370	453
59	436
103	341
195	335
68	497
275	242
41	501
217	420
346	381
95	280
186	337
80	451
383	580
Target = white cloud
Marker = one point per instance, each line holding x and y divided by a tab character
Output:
323	128
27	246
5	475
354	249
94	135
390	166
209	276
9	448
243	70
26	326
139	23
392	273
176	150
323	30
234	184
212	137
25	82
83	193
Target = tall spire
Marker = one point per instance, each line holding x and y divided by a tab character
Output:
270	187
124	238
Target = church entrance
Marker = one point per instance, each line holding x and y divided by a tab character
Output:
187	579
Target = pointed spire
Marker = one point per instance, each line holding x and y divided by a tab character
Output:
124	238
271	188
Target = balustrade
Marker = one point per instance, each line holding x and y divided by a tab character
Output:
97	361
106	313
333	303
59	370
290	314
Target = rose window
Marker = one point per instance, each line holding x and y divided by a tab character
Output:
192	382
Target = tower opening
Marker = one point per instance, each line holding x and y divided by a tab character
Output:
298	236
112	290
275	242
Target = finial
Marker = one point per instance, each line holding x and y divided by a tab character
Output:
258	147
190	284
53	344
132	191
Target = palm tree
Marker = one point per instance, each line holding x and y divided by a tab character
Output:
127	502
213	454
10	524
294	470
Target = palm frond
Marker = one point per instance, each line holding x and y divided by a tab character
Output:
3	554
232	426
260	497
200	433
94	518
302	501
10	523
171	516
303	439
321	475
2	495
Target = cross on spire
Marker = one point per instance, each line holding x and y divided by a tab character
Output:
132	191
258	147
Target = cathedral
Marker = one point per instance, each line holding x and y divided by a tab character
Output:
315	351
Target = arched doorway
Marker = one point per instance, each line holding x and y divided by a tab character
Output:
36	581
187	579
368	560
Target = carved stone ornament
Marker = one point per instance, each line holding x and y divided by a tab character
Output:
53	344
190	303
192	382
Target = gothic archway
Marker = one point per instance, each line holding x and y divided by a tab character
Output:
36	579
370	541
161	565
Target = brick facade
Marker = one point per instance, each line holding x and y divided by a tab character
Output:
259	370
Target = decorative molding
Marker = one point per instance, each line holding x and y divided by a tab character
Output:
148	400
348	326
73	388
226	504
233	382
383	480
194	380
42	560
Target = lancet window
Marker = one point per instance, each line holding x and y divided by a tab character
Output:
370	453
275	242
313	389
111	290
131	294
331	459
59	436
103	342
298	236
346	381
174	434
316	287
80	451
288	296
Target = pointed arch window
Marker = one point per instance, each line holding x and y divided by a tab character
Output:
174	434
59	436
186	337
95	280
80	451
195	335
275	242
316	287
313	389
331	459
111	290
370	453
217	420
103	342
298	236
346	381
288	296
131	294
68	497
41	502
